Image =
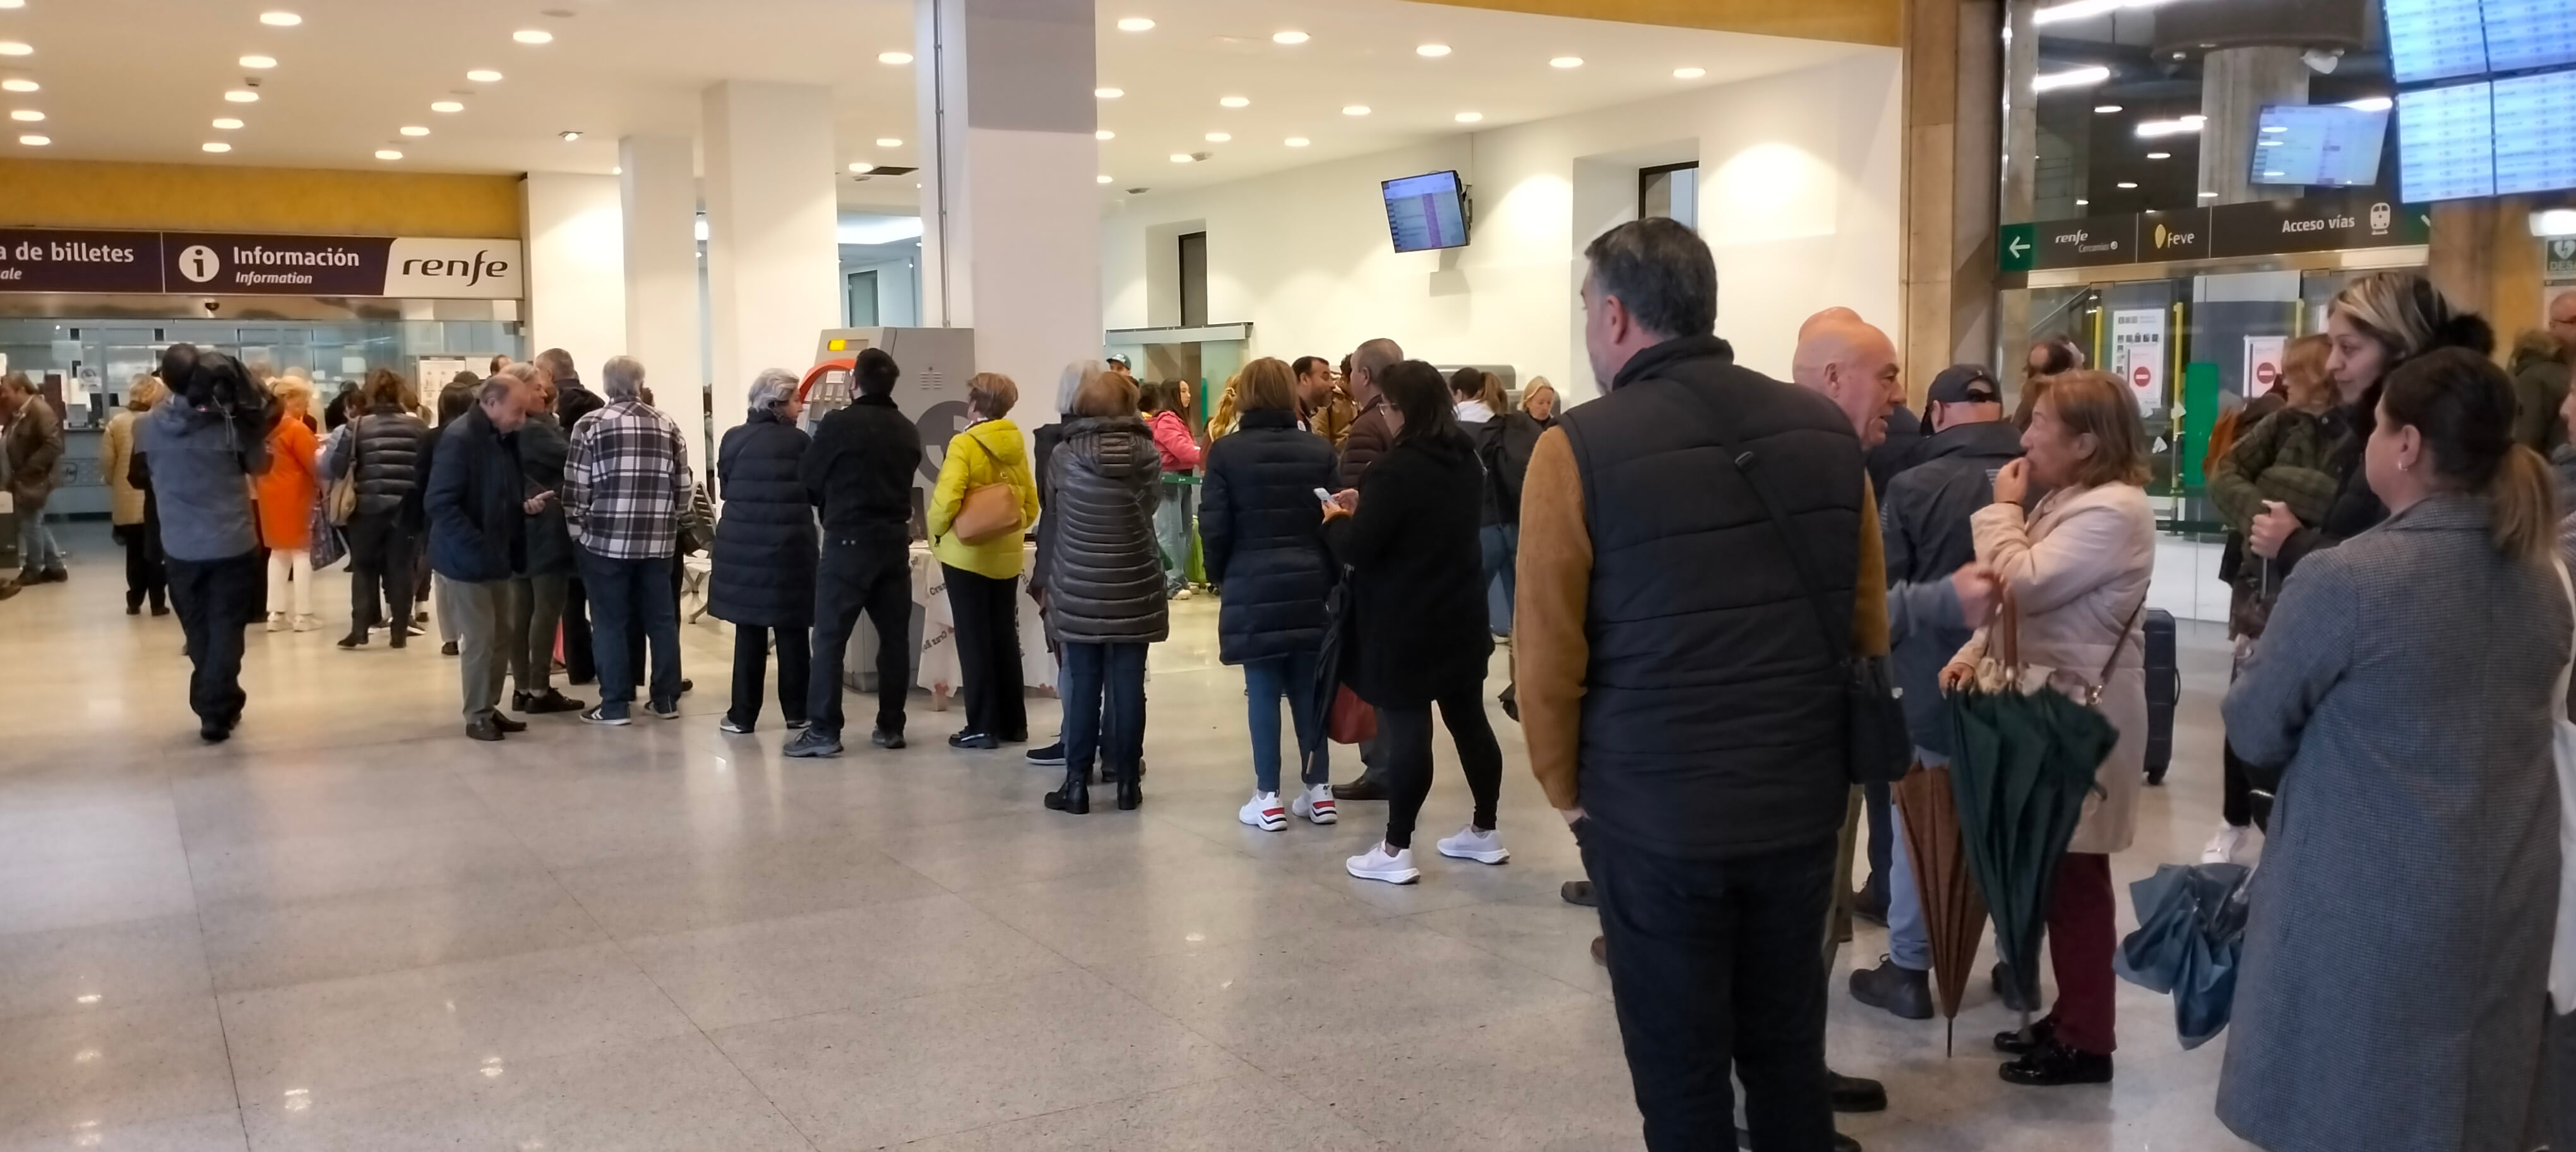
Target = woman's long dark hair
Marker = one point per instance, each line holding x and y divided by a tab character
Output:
1421	395
2463	407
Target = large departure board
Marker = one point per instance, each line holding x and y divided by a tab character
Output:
2535	133
2529	34
2446	143
2435	39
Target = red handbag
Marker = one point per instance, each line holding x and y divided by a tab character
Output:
1351	720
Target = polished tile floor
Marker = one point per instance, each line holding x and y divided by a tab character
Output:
351	928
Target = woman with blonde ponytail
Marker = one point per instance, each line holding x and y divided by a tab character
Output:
2397	951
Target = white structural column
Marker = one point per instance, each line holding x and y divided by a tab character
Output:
1010	204
658	186
576	293
773	232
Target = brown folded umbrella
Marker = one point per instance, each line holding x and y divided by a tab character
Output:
1954	913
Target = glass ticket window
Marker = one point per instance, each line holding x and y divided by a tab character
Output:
95	359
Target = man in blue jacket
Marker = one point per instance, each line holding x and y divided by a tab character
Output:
478	503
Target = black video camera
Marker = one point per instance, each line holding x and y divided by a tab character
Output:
217	384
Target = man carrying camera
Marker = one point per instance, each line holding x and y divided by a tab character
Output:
204	441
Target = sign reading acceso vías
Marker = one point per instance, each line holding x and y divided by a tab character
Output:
230	264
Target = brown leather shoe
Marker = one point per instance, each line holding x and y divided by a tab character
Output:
1601	951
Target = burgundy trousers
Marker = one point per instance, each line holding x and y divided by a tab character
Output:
2083	929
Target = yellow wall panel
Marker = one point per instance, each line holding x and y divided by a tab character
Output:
187	197
1850	21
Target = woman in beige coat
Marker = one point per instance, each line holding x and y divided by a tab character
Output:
128	502
2077	568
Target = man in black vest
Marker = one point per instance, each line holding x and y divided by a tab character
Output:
1682	697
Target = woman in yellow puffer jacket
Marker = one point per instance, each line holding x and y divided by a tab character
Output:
983	578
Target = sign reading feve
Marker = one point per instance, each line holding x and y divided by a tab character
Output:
234	264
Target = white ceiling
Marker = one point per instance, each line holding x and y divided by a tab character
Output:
144	79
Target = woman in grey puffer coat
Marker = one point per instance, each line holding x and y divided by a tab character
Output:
1102	584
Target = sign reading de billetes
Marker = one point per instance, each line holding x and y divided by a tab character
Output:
237	264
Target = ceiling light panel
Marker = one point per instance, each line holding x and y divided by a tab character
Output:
26	115
1290	37
34	141
258	63
215	146
242	96
1689	73
533	36
387	154
1104	134
1136	24
1103	179
894	57
2070	78
1220	137
888	142
227	124
280	19
1355	110
1108	93
1235	102
15	48
862	167
484	76
1566	62
1298	141
1469	117
446	106
18	85
1431	51
414	130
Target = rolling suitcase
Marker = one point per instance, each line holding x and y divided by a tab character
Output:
2164	693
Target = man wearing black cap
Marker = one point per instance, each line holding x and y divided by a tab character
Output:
1938	595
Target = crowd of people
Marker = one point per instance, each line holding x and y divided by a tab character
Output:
1688	568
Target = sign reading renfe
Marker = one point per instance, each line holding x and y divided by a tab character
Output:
230	264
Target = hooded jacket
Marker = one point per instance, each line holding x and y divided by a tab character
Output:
1096	556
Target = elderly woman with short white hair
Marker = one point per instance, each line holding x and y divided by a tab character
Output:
763	583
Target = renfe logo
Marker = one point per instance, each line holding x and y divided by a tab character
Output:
483	264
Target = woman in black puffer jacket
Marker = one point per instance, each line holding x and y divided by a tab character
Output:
1103	584
388	447
1263	536
763	582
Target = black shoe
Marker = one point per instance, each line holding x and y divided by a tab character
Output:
973	739
214	731
1853	1094
482	728
1511	702
1073	797
1051	756
1869	908
736	727
548	701
1902	992
687	686
886	738
2014	995
53	576
799	725
1131	793
1601	951
357	639
447	648
1842	1143
1579	893
2053	1064
578	681
160	609
1367	787
814	744
2018	1042
130	609
506	724
398	638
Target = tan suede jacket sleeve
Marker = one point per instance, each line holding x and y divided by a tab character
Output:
1554	578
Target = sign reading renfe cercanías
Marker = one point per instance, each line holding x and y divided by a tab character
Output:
230	264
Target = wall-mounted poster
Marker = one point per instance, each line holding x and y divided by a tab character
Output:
2138	354
2263	363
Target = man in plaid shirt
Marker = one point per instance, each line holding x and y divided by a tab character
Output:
626	482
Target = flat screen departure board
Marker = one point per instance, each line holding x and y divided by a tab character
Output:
2535	133
2446	143
2435	39
2529	34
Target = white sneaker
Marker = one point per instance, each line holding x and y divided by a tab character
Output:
2228	846
307	622
1316	805
1376	864
277	621
1484	847
1263	812
1182	594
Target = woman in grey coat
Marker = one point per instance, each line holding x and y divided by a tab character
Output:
2397	953
1103	584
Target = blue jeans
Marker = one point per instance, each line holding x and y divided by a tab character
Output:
1264	682
1104	707
1172	533
37	551
624	594
1909	943
1501	544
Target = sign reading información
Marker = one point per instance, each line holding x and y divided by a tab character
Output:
230	264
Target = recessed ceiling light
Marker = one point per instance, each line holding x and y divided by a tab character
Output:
1470	117
1182	157
1355	110
1108	93
2126	185
1219	137
894	57
242	96
446	106
35	141
617	171
533	36
1298	141
1102	179
26	115
2070	78
214	146
258	62
1135	24
1566	62
2209	195
1235	101
280	19
568	135
20	86
1689	73
1287	37
387	154
14	48
484	76
1431	51
1104	134
15	4
862	167
227	123
414	130
2081	203
2159	155
2106	109
888	142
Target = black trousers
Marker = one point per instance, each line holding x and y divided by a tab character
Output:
635	649
988	652
380	569
216	600
145	578
855	576
751	667
579	666
1404	737
1712	964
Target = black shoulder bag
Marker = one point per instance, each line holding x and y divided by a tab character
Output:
1877	749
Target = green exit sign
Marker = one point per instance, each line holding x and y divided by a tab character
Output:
2018	247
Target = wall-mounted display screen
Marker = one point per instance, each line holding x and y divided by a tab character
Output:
2435	39
2535	133
1426	212
2529	34
2323	144
2446	143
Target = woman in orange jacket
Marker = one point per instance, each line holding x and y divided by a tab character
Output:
286	492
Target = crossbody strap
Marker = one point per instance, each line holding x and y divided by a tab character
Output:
1743	463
